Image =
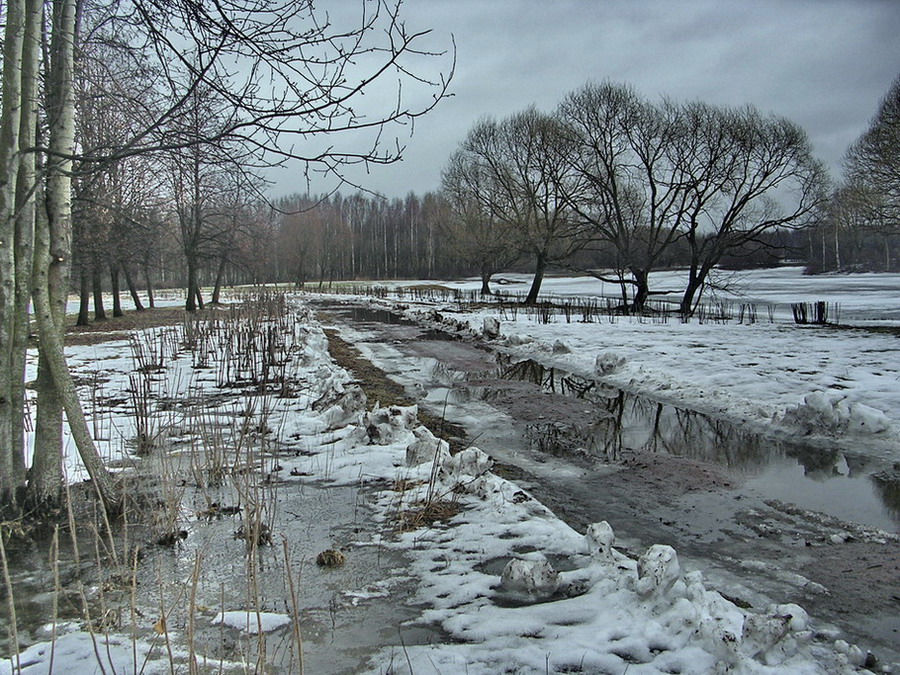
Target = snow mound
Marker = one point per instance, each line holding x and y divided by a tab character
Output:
600	539
347	408
608	363
426	448
491	328
560	347
531	577
829	413
465	465
382	424
657	570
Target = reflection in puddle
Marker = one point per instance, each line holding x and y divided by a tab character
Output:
852	487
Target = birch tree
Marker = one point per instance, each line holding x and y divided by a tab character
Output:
11	467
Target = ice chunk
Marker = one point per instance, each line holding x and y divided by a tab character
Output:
381	424
252	622
600	539
534	577
658	570
866	419
516	340
608	363
763	631
426	448
559	347
491	328
831	413
347	408
470	462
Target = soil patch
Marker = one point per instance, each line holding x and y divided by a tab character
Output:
120	326
379	387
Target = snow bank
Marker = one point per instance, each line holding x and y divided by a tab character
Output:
830	413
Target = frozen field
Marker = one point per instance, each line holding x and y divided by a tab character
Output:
833	382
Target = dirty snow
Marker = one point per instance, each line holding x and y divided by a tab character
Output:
573	602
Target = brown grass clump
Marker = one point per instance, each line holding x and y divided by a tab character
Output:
121	326
426	514
330	558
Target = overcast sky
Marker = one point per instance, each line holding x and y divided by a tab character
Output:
824	64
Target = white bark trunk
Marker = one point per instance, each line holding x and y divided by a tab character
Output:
25	208
10	108
53	249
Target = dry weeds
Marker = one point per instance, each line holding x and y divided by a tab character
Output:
426	514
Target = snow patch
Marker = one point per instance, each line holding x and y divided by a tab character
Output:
608	363
426	448
252	622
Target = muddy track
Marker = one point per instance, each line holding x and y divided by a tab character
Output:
754	549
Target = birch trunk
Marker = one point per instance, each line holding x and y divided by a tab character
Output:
53	251
25	209
10	112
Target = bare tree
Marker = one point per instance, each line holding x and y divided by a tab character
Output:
745	175
650	175
11	466
289	76
873	162
520	169
472	231
627	188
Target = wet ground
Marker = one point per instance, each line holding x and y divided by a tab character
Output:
347	612
765	519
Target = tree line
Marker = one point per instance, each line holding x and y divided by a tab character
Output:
860	229
608	184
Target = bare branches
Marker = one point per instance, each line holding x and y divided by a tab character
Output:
290	76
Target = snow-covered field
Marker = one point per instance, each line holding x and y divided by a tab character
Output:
774	374
513	587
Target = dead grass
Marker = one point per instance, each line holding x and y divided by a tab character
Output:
405	484
426	514
330	558
380	388
120	326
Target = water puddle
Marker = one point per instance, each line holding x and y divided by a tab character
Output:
853	487
345	613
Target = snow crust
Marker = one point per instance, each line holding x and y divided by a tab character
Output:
252	622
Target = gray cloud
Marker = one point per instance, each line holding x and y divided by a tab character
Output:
823	63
